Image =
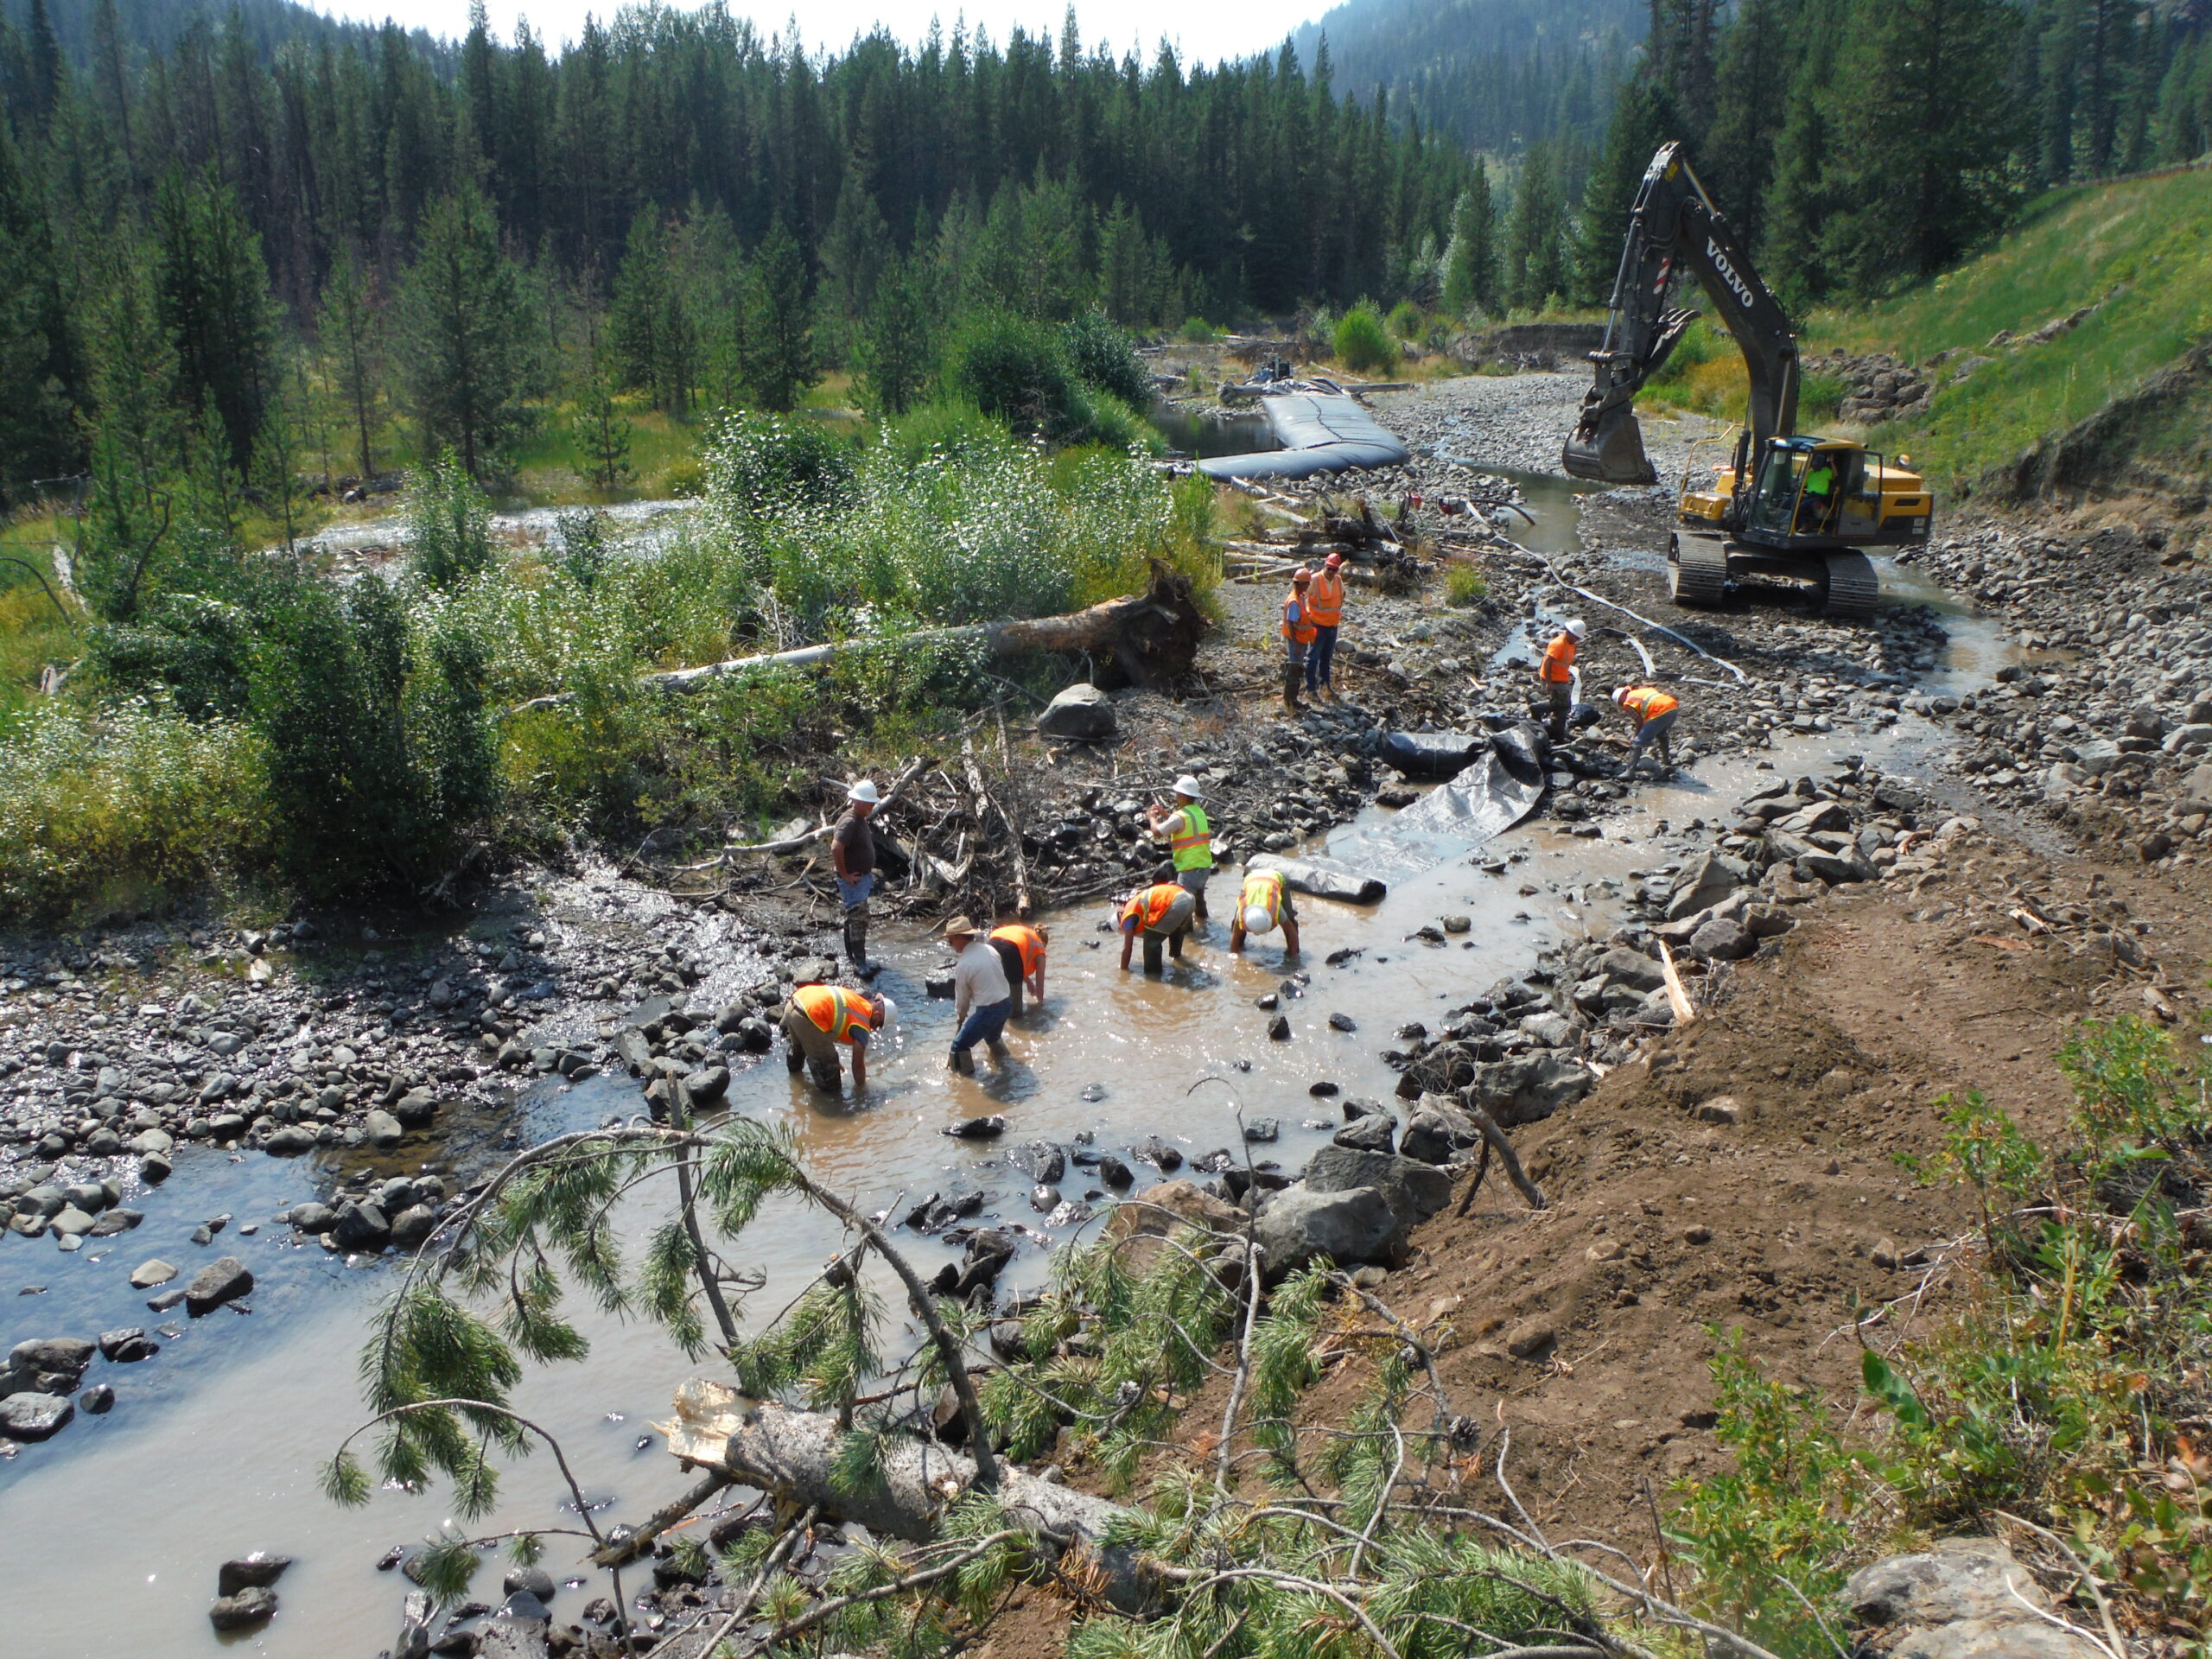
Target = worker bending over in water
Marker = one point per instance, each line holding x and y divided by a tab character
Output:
819	1020
1161	914
1324	609
1264	903
1189	838
1653	711
1021	953
1299	634
981	996
1557	675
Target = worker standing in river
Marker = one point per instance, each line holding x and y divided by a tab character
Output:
1264	904
1557	674
852	852
1324	609
1298	636
1189	837
1653	711
1159	914
1021	953
819	1020
982	999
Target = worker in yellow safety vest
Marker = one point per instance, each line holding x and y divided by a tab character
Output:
819	1020
1653	711
1261	908
1298	635
1022	948
1324	609
1189	840
1557	674
1159	914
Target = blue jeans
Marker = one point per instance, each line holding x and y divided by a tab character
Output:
854	892
1320	657
1657	733
986	1023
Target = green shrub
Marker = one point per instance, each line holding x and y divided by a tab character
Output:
1106	357
1820	397
1019	371
1463	585
1360	340
101	804
450	522
1196	331
949	428
1406	321
769	463
1112	424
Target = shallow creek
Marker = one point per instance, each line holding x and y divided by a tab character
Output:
113	1530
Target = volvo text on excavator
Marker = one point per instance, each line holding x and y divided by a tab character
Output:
1785	505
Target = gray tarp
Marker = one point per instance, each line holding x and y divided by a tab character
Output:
1320	432
1484	800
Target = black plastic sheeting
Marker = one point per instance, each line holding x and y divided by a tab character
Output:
1323	878
1320	432
1490	794
1431	755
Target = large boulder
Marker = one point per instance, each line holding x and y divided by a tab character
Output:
1530	1089
1414	1191
360	1227
1301	1225
224	1280
1371	1132
1082	712
1143	1223
1706	880
34	1416
47	1365
1960	1598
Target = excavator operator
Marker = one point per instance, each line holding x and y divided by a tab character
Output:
1816	508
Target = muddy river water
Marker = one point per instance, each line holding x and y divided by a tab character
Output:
110	1535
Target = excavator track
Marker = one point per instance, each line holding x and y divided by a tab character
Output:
1698	575
1853	589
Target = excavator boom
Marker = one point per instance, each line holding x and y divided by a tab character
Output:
1674	227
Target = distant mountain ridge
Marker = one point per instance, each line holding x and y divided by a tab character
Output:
1496	74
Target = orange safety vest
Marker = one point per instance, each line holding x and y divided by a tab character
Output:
1558	666
1303	633
1150	907
1025	940
837	1011
1647	703
1325	600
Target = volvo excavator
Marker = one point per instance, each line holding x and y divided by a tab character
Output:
1786	505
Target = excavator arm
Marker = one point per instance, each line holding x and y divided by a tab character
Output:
1673	228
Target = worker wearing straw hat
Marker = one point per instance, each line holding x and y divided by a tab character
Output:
982	999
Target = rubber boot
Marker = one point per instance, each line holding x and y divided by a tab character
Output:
1001	1056
794	1060
963	1062
856	943
1292	677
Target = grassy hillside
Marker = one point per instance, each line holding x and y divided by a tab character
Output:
2095	405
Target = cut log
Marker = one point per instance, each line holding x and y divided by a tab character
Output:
794	1454
1152	636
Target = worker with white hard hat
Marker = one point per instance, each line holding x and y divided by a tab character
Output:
1558	677
1261	908
819	1020
852	851
1653	712
1189	836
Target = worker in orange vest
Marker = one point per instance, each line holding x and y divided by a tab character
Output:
1159	914
1653	711
819	1020
1324	609
1298	634
1557	674
1022	948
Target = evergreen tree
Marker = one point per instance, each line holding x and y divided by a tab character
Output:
1757	61
650	334
777	347
1679	55
856	248
1801	207
1643	118
1923	135
896	353
136	439
1536	266
40	373
213	295
349	329
466	335
600	427
1470	262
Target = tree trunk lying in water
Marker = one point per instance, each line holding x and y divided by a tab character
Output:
1152	637
794	1454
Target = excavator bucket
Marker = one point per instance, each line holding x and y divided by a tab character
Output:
1607	445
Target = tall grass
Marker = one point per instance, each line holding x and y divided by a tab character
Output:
111	803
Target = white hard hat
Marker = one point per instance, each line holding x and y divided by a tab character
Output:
1258	918
1620	694
1188	785
864	791
890	1026
1577	626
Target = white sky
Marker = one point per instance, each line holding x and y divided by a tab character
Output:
1203	32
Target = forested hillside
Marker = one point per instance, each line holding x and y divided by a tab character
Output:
1493	75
